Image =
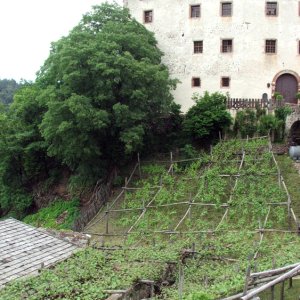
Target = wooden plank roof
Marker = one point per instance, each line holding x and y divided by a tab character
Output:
25	249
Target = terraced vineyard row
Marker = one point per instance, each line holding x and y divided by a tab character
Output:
230	208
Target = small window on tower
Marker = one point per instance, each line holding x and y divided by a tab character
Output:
195	11
148	16
271	8
226	46
225	82
198	46
270	46
226	9
196	82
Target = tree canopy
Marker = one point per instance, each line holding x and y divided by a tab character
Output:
8	87
99	97
105	84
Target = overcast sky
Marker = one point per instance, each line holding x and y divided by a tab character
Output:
27	27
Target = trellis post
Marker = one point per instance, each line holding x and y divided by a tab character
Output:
171	160
139	165
107	218
180	281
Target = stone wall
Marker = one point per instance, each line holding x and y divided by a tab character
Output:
250	69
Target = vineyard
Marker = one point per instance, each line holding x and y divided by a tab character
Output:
208	220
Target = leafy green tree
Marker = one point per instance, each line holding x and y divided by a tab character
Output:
8	87
207	117
245	123
103	84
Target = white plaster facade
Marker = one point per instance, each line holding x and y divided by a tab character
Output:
252	72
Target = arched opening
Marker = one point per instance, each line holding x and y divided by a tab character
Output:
295	133
287	86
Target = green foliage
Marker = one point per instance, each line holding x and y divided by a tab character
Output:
245	123
14	202
268	123
199	296
189	151
99	97
48	217
106	85
207	117
8	87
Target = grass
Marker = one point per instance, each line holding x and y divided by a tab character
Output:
48	217
292	180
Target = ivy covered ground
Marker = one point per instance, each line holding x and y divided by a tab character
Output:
230	221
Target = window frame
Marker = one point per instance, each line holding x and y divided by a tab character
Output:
191	11
221	82
147	20
193	82
222	46
221	9
277	9
269	40
200	47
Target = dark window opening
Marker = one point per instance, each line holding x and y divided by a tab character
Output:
226	9
198	47
271	9
195	11
196	82
270	46
226	46
148	16
225	82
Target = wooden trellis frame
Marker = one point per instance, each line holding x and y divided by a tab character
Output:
191	202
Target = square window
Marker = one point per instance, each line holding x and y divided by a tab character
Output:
148	16
270	46
225	82
196	82
195	11
226	46
226	9
271	8
198	46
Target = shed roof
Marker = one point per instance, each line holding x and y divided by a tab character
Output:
25	249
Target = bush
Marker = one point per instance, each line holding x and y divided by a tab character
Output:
48	216
207	117
245	123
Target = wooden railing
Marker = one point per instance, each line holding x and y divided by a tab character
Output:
252	103
243	103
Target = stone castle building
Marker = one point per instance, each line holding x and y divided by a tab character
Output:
241	47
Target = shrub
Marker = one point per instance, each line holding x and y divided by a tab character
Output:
207	117
245	123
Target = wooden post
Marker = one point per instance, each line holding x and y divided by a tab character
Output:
273	287
279	178
291	282
193	249
106	217
152	291
220	136
171	160
211	151
139	165
180	281
282	291
190	207
247	279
